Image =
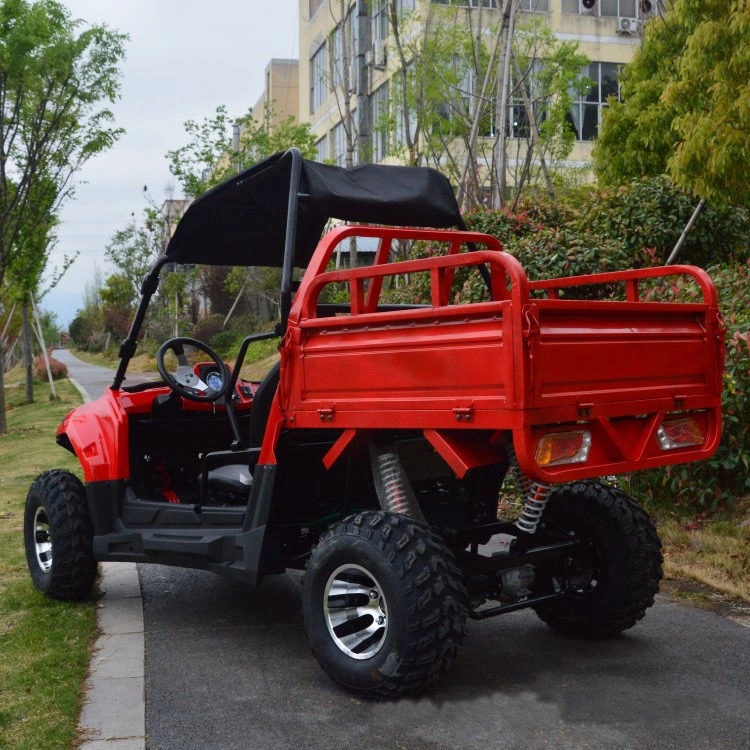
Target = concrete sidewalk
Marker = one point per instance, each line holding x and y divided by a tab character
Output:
113	715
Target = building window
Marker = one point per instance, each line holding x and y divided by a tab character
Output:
380	124
472	3
318	75
617	8
314	5
379	11
321	149
338	144
612	8
531	6
518	120
586	112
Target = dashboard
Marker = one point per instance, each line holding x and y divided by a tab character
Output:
210	374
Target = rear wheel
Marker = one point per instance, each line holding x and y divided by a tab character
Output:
384	605
58	536
613	583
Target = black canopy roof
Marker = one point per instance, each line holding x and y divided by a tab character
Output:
243	221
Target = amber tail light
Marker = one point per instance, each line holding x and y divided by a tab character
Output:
556	448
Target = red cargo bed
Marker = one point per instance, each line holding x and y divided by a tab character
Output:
462	373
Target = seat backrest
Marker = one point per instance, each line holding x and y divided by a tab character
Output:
262	406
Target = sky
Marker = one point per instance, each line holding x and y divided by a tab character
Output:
184	58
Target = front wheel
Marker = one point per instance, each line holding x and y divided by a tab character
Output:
384	605
614	581
59	536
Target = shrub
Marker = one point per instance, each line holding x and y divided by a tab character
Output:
58	369
226	343
206	328
652	213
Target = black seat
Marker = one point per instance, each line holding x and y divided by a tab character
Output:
233	481
230	482
262	406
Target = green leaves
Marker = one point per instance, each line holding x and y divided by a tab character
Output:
686	104
208	157
55	81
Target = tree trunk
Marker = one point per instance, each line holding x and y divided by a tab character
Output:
234	304
176	315
3	418
536	140
28	356
681	242
40	336
509	16
463	196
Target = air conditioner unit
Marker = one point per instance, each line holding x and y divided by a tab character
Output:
587	8
379	54
627	25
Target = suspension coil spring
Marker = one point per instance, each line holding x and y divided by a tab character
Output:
396	493
535	494
394	490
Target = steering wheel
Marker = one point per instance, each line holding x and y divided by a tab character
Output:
185	382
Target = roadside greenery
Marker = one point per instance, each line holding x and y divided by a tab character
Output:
57	79
686	104
44	643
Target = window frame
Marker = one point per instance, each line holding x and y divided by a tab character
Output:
584	101
318	77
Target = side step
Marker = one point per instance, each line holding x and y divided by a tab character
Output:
219	550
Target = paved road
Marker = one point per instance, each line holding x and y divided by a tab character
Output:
94	380
228	666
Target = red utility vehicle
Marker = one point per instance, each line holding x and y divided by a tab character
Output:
373	455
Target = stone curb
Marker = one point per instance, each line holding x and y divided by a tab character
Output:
84	393
113	714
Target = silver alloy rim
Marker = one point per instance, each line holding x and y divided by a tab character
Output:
42	539
355	611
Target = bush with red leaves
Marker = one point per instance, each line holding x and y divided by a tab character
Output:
59	370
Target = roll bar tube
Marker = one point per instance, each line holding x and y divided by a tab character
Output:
291	236
130	342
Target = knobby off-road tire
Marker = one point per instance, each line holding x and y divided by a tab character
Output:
626	555
416	589
57	513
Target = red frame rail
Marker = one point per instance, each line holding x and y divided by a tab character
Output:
631	279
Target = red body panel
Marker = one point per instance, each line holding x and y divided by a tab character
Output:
98	431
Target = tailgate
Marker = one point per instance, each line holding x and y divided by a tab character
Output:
621	351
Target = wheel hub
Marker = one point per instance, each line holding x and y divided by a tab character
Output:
42	539
355	611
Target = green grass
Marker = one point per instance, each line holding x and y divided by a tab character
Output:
44	645
712	552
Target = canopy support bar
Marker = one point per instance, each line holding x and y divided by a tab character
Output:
291	236
127	348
